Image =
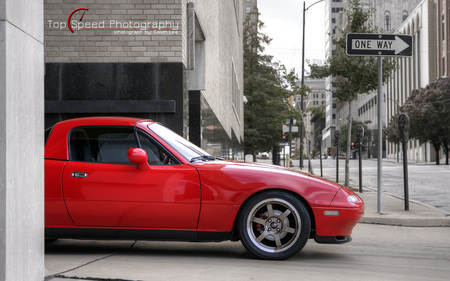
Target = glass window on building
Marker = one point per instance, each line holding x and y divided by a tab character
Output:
404	15
443	66
387	21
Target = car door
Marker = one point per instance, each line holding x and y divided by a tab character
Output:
103	189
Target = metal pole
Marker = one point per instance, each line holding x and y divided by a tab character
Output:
320	155
290	140
403	125
337	162
360	135
337	137
303	78
380	135
302	84
360	169
405	174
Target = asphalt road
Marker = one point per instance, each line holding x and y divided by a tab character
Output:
377	252
428	183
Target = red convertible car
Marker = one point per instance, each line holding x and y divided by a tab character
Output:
127	178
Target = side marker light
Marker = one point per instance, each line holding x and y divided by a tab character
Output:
331	213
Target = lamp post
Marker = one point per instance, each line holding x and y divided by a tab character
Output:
303	78
337	138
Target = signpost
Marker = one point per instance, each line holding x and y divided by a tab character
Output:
380	45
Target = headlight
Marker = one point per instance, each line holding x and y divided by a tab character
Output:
352	199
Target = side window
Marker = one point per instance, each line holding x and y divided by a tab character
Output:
47	134
101	144
110	145
114	145
80	146
156	155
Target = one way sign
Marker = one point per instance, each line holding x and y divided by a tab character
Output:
364	44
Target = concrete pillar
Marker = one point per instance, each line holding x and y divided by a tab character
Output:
21	140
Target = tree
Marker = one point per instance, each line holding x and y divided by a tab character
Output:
353	139
353	74
429	112
392	133
267	86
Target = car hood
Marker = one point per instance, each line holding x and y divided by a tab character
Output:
244	179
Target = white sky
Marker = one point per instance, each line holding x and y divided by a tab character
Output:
283	23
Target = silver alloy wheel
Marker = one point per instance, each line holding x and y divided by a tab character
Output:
273	225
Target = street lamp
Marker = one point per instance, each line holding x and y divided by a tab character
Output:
303	78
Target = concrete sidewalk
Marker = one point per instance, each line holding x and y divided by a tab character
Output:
393	209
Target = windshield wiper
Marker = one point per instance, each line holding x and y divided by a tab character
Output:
205	158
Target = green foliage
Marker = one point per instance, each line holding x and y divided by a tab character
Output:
353	74
320	110
429	112
343	140
392	132
267	87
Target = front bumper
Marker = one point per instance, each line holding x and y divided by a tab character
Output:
339	218
332	239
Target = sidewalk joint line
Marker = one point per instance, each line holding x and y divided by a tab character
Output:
61	274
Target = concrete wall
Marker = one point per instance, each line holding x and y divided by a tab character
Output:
21	140
222	23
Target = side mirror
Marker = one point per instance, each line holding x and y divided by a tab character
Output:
138	156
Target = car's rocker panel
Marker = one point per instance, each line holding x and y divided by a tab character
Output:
136	234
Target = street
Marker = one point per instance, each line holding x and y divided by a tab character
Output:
377	252
428	183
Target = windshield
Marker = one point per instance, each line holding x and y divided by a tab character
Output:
189	150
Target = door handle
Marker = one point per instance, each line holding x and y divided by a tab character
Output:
79	175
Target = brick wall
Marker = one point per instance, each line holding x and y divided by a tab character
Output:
113	31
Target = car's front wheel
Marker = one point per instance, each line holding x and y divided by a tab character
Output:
274	225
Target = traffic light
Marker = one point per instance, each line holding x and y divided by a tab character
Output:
285	133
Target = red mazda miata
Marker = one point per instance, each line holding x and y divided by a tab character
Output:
127	178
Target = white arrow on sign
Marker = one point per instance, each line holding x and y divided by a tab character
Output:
397	45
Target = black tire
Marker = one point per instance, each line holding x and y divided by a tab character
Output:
274	225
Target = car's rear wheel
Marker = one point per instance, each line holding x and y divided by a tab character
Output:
274	225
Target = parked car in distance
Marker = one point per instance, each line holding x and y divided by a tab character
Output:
127	178
263	155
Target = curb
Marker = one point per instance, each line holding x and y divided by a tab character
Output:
424	214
